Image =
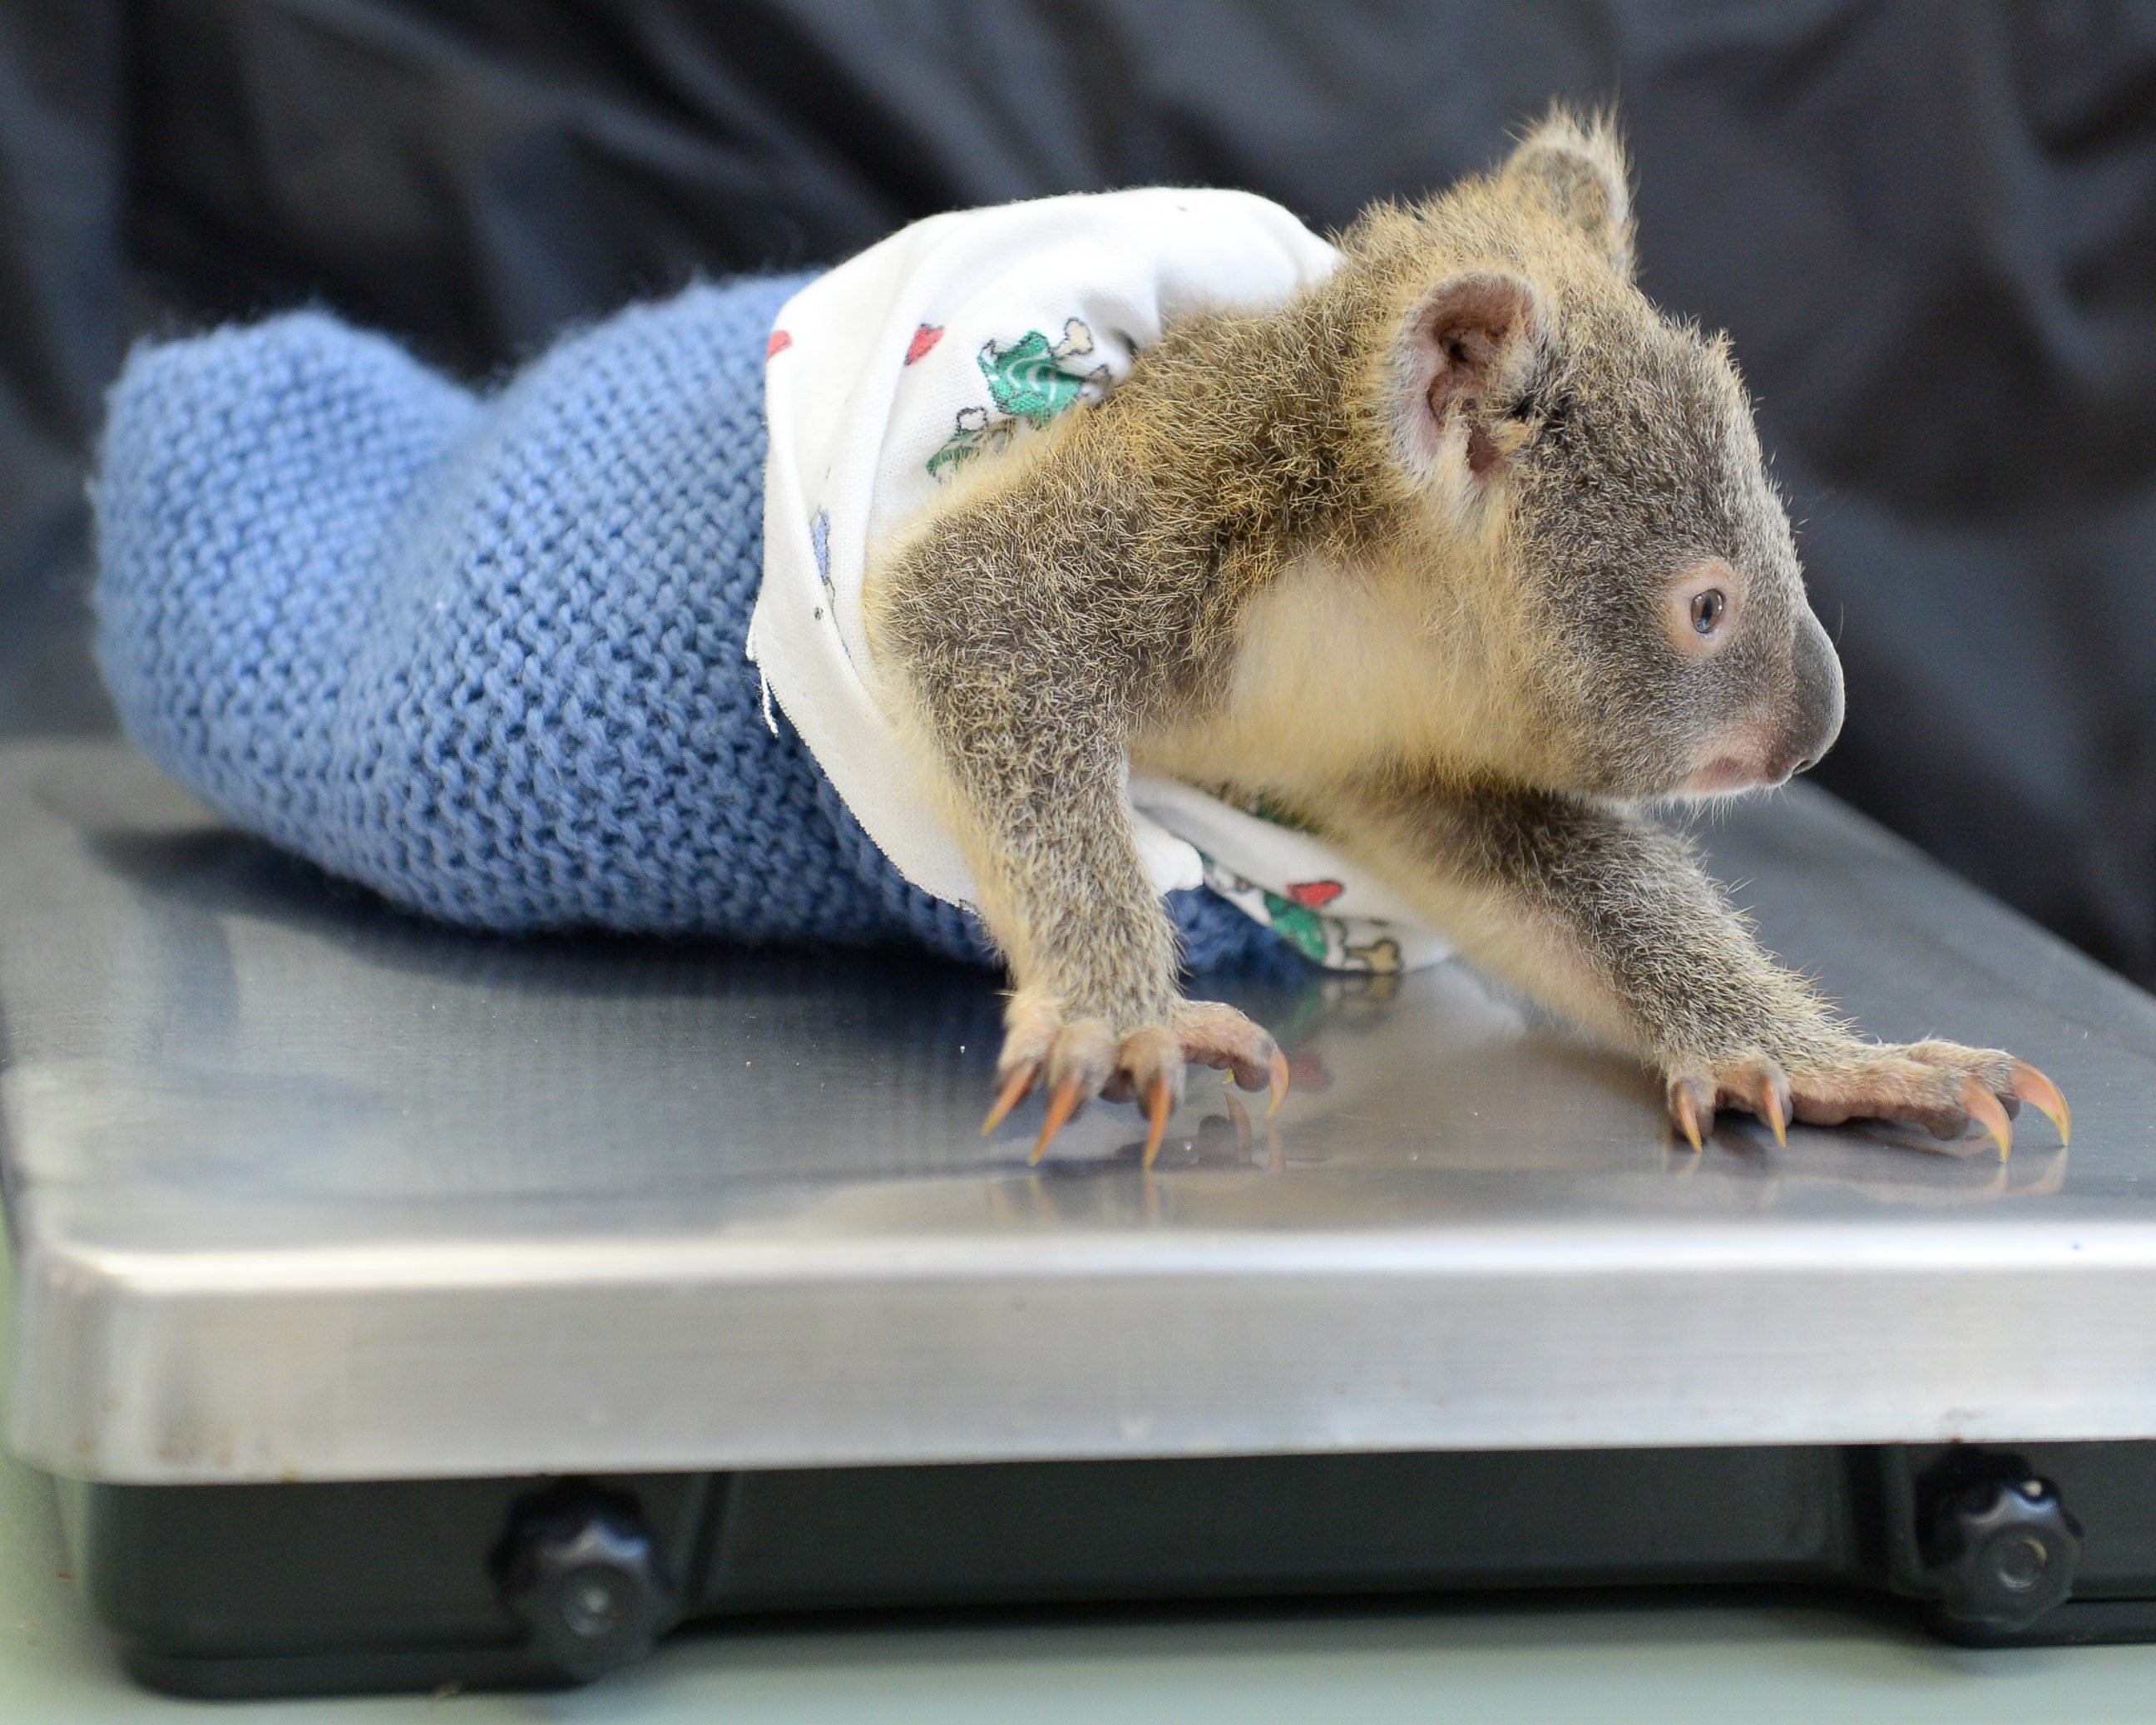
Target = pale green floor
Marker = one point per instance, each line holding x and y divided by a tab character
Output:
1729	1666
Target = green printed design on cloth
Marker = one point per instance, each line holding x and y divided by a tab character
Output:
1297	923
1027	380
1030	379
1337	942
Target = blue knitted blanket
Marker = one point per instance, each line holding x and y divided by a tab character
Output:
484	652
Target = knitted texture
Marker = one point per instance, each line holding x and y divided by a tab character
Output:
484	654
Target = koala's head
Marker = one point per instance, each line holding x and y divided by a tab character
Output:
1603	457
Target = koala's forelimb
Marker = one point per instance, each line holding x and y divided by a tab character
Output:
1607	916
1027	737
1026	725
1599	911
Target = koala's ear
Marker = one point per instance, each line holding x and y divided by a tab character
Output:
1477	340
1574	170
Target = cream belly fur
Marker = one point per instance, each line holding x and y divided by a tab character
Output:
1322	656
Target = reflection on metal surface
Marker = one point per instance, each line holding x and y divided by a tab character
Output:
301	1185
1978	1177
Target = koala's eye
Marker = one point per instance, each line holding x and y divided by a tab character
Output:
1701	607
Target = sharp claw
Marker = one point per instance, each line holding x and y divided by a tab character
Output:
1060	1108
1770	1109
1279	1085
2039	1093
1160	1103
1983	1107
1686	1108
1008	1097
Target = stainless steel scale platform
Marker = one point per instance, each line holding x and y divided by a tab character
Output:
400	1305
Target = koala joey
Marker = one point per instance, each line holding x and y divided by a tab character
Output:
1467	556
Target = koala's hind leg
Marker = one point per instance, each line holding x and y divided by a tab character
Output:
1609	918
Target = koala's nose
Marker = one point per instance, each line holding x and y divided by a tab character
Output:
1817	674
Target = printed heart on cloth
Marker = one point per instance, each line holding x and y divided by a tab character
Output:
778	343
924	338
1314	895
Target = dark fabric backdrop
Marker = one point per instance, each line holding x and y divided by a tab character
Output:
1930	228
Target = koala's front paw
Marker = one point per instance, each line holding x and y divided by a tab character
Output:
1940	1086
1080	1059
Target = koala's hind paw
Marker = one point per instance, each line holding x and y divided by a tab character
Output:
1079	1059
1939	1086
